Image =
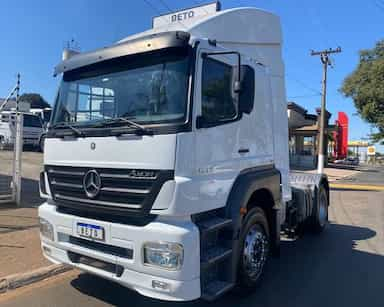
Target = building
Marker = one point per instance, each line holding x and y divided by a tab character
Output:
35	100
304	136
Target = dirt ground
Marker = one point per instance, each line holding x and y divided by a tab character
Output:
32	164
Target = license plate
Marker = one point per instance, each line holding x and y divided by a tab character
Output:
90	231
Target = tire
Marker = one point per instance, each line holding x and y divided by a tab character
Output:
42	143
255	232
3	145
320	211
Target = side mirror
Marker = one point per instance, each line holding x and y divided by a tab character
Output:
246	89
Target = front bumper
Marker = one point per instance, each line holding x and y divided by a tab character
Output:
182	285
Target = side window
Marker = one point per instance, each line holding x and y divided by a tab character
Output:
217	102
32	121
27	121
36	122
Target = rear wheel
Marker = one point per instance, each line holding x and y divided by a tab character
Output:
254	249
320	213
2	144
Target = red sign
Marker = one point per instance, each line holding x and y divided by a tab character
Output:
341	136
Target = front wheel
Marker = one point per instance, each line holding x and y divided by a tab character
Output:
254	249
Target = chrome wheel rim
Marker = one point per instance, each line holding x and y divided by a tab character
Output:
323	206
255	252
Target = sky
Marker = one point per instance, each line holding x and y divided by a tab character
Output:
33	34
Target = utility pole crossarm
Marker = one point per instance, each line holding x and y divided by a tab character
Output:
326	51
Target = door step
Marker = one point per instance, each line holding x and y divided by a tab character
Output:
215	254
215	289
214	224
216	233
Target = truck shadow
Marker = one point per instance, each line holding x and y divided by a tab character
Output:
324	270
30	195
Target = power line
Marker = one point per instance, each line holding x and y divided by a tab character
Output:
153	7
304	96
157	11
160	13
317	92
379	4
166	6
199	4
170	11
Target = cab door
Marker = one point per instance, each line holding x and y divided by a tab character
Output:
217	147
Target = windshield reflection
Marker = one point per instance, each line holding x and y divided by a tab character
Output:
155	92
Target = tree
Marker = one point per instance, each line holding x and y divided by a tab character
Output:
36	100
365	85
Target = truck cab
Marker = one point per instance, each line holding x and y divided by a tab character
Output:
166	162
33	129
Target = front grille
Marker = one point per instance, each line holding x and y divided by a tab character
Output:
122	191
96	263
134	220
101	247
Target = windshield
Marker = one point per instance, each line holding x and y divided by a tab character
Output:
147	90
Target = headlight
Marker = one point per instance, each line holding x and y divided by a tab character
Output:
162	254
46	229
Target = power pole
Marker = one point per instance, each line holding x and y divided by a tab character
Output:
18	148
325	61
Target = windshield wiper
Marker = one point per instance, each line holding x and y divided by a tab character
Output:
139	127
76	131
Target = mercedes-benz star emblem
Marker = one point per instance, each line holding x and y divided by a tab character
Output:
92	183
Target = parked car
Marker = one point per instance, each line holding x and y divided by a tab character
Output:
352	161
348	161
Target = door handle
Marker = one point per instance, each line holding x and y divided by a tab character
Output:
243	150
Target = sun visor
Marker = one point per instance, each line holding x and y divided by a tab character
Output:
140	45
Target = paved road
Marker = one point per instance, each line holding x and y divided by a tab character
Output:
368	175
344	266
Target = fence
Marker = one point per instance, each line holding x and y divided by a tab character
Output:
11	146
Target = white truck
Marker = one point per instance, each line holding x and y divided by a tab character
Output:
43	113
33	130
166	160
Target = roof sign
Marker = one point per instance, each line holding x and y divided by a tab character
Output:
358	143
185	16
371	150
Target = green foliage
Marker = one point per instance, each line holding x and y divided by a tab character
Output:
36	100
365	85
